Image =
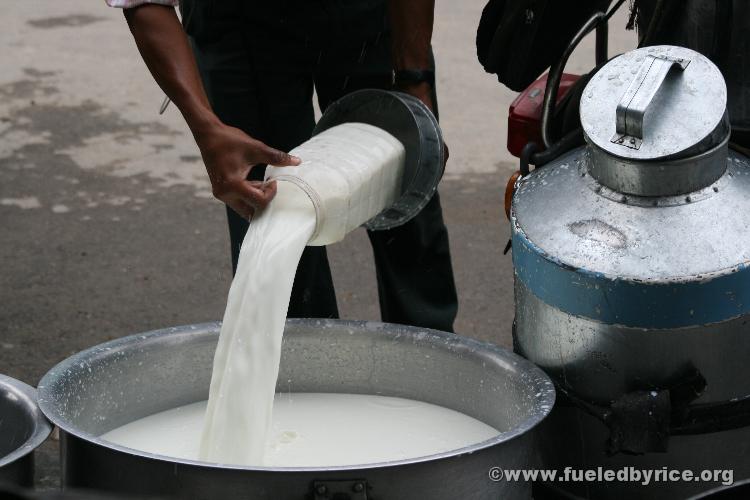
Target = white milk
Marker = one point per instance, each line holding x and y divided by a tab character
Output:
246	363
351	172
318	430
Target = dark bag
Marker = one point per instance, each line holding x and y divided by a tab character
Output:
519	39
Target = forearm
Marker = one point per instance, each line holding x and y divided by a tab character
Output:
411	30
228	153
166	51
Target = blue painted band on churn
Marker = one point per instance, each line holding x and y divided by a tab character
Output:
639	304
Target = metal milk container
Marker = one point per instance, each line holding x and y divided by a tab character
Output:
355	176
632	283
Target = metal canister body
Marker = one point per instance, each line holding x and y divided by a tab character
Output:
632	279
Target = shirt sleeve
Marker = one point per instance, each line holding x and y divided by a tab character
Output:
127	4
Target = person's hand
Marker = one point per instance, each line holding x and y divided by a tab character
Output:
229	154
423	92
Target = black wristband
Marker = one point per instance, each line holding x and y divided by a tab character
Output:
413	76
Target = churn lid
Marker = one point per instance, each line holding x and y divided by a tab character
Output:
656	103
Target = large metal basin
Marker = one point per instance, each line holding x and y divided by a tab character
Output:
22	429
115	383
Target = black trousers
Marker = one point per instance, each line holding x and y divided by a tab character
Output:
262	82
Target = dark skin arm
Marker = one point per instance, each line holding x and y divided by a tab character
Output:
411	30
228	153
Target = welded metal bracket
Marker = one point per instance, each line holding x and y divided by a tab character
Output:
631	110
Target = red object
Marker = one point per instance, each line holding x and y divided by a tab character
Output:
525	117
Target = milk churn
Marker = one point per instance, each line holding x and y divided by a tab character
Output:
632	282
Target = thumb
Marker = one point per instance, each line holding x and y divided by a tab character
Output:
266	154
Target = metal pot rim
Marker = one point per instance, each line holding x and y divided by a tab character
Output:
543	404
42	428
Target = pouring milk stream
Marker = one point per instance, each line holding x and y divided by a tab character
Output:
349	174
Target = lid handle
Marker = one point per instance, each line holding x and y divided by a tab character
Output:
639	95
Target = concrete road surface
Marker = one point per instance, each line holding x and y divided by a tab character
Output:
108	225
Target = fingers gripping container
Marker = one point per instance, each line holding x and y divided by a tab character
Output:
375	159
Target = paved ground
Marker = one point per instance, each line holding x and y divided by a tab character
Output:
107	221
